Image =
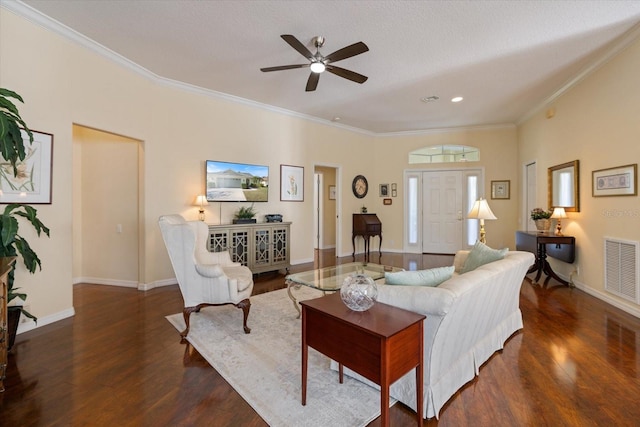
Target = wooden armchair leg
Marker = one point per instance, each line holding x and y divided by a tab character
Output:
245	305
186	313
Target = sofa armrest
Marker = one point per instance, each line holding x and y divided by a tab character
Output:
420	299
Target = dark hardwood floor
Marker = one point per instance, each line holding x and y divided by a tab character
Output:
119	362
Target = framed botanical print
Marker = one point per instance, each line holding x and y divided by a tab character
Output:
501	189
32	183
291	183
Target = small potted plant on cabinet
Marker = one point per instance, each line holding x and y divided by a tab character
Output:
245	215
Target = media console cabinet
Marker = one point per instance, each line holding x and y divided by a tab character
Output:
264	246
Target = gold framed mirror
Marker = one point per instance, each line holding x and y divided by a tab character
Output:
564	186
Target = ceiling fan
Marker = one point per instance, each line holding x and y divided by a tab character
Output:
319	63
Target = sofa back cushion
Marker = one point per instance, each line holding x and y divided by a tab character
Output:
430	277
482	254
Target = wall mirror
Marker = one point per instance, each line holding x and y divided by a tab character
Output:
564	188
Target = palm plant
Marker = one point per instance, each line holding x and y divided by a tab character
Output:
12	244
11	142
12	149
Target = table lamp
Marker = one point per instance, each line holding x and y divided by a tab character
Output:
201	201
481	211
559	214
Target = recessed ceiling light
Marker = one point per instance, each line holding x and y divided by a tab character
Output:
457	99
431	98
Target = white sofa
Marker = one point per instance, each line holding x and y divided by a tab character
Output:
469	317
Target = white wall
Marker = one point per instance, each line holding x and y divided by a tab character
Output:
498	151
597	123
65	84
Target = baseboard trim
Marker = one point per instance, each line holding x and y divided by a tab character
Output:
108	282
29	324
157	284
608	299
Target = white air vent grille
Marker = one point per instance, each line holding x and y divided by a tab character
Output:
621	268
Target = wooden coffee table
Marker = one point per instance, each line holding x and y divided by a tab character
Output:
382	344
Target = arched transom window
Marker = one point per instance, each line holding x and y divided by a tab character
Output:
444	154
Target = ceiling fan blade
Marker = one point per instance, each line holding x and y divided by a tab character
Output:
295	43
347	74
312	83
284	67
347	52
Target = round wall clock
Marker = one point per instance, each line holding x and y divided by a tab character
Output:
360	186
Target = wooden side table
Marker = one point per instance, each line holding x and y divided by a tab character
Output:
382	344
544	244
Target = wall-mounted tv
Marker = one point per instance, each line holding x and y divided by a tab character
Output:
236	182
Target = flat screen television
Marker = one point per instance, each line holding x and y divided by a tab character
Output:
236	182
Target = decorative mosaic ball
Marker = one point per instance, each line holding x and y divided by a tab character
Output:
359	292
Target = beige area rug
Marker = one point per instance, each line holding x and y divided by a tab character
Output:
264	367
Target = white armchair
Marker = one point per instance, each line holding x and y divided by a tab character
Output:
205	278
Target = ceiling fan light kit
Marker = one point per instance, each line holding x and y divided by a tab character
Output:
317	67
318	63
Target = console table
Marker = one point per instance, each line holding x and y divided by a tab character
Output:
263	246
544	244
366	225
382	344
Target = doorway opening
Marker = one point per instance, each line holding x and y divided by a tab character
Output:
326	208
107	208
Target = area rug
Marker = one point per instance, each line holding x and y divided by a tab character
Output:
264	367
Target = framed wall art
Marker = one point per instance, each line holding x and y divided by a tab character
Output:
384	190
501	189
32	185
618	181
387	201
291	183
332	192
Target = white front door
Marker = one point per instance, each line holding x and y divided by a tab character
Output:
442	198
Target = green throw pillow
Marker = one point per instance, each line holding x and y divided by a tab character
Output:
431	277
482	254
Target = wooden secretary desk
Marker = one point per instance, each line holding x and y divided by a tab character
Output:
366	225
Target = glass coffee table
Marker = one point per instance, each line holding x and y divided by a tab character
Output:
329	279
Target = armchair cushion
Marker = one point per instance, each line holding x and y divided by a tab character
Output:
482	254
209	270
241	274
430	277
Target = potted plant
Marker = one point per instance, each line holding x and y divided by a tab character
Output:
541	218
12	244
11	143
12	149
245	215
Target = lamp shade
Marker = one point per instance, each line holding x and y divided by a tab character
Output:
201	200
559	213
481	210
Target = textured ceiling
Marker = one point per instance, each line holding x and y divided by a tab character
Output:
504	57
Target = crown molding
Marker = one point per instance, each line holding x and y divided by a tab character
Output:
625	41
44	21
36	17
447	130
